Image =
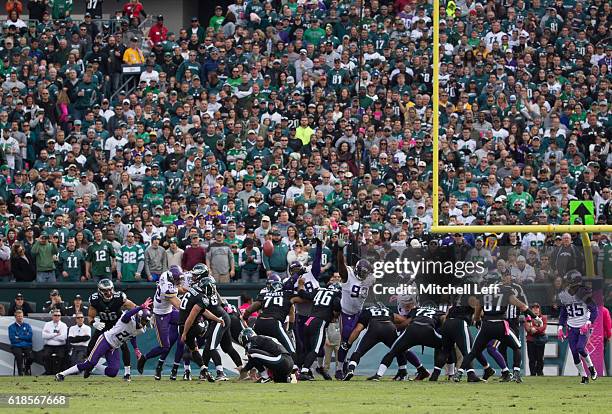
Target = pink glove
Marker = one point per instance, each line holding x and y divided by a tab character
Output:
137	353
560	334
584	329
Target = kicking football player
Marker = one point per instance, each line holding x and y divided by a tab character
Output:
492	309
378	322
423	324
356	284
105	308
131	324
217	335
195	303
578	312
165	321
325	306
265	353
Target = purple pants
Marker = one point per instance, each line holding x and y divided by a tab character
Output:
347	324
102	349
577	343
166	330
494	352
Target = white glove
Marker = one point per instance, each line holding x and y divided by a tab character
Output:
98	324
538	321
341	241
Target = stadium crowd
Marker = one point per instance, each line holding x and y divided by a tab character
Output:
279	120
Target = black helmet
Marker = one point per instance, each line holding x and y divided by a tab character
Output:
200	271
207	285
106	289
245	336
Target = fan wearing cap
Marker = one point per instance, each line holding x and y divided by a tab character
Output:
133	54
158	32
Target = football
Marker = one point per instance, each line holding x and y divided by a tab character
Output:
268	248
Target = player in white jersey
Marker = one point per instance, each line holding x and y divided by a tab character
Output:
578	312
132	323
310	274
165	320
536	240
356	284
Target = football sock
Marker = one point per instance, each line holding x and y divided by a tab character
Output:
264	374
160	362
70	371
219	367
381	370
127	370
505	369
400	367
450	369
588	361
352	365
580	368
437	371
175	365
99	368
187	367
305	370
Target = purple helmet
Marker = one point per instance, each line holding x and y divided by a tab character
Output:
296	269
573	277
144	316
363	269
273	278
176	274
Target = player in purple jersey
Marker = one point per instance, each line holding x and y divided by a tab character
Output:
578	312
131	324
165	321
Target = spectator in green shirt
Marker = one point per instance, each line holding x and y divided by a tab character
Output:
44	252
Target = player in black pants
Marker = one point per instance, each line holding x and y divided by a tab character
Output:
455	331
274	304
424	322
264	354
194	304
325	306
492	309
512	315
379	325
105	308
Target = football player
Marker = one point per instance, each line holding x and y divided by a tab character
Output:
578	313
165	321
187	279
217	335
492	309
455	331
275	306
194	304
497	349
311	275
378	322
423	324
131	324
105	308
356	283
265	353
325	306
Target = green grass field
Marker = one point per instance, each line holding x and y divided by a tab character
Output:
100	395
